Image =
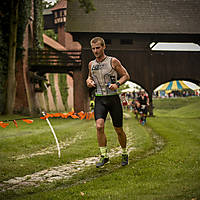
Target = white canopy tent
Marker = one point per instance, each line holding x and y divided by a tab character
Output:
133	87
191	85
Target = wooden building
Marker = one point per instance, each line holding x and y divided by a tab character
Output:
130	28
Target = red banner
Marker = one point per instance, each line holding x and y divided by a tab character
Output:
81	115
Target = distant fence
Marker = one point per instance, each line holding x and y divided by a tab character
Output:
51	61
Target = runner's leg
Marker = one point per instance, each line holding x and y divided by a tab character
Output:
101	137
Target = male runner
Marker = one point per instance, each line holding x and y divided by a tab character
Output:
103	72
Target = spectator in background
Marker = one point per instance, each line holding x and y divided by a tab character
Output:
142	106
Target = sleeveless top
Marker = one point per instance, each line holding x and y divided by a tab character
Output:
142	101
103	75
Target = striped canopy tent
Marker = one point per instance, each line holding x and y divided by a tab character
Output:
175	86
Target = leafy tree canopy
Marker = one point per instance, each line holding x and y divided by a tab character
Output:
87	5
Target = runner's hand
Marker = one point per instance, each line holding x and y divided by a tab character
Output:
113	86
90	83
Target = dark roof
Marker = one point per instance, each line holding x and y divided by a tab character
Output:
136	16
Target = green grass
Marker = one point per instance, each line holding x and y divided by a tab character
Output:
173	103
29	138
170	173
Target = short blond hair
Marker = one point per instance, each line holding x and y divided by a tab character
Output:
97	39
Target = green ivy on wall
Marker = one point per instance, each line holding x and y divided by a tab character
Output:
62	81
24	16
51	34
38	24
24	5
4	38
46	99
53	90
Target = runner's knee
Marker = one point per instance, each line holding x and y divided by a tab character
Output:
100	125
119	130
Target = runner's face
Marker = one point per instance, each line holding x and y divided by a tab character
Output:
97	49
142	93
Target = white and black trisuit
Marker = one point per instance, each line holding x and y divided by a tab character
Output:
106	100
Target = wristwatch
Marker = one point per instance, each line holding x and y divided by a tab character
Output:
118	84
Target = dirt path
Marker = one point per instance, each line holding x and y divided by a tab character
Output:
68	170
49	150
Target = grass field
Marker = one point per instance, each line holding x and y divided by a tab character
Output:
164	158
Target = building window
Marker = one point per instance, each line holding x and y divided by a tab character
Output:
108	41
126	41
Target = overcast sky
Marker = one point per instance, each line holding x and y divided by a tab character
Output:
50	1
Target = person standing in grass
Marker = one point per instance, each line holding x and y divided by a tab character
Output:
103	73
143	103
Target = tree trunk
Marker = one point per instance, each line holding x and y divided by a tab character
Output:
150	104
11	86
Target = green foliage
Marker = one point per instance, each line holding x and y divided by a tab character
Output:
4	34
87	5
62	80
53	90
38	24
48	4
51	34
24	5
46	99
3	70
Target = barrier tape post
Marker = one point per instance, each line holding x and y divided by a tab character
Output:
52	130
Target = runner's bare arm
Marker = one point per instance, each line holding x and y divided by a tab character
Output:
90	82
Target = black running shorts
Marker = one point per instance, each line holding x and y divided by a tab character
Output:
111	104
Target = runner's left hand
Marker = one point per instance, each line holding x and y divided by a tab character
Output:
113	87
